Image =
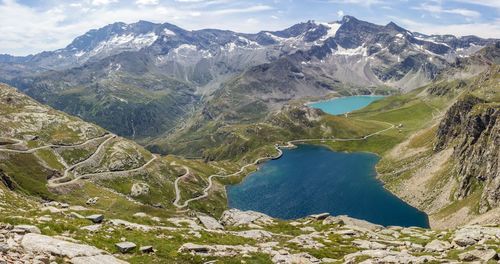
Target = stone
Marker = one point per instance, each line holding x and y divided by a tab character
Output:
96	218
209	222
49	245
139	189
364	244
478	254
321	216
91	228
28	229
92	201
140	214
235	217
125	247
146	249
195	248
99	259
330	220
437	246
358	223
254	234
44	218
76	215
4	247
52	210
467	236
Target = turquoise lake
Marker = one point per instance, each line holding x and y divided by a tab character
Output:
337	106
313	179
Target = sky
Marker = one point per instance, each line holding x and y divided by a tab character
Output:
30	26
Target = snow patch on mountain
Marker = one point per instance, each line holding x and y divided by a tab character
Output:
361	50
332	30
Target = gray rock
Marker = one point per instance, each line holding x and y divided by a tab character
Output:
321	216
45	244
125	247
76	215
139	189
235	217
91	228
92	201
478	254
28	229
437	246
4	247
195	248
99	259
96	218
146	249
209	222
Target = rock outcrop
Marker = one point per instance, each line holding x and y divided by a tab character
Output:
472	127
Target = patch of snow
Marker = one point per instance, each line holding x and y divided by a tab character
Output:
332	30
361	50
433	40
80	53
168	32
399	35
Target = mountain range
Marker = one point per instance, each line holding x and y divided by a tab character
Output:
145	80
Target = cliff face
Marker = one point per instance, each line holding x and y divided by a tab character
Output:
472	127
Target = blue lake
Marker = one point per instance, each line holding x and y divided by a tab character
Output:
313	179
337	106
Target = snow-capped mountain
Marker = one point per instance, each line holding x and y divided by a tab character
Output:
121	64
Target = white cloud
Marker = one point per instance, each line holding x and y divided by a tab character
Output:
103	2
251	9
485	30
340	13
437	9
489	3
358	2
147	2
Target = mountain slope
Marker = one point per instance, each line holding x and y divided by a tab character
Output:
119	63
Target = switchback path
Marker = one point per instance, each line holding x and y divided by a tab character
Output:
57	182
259	160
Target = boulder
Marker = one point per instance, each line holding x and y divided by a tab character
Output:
235	217
321	216
45	244
91	228
209	222
190	247
437	246
96	218
99	259
139	189
28	229
478	254
92	201
76	215
346	220
146	249
125	247
254	234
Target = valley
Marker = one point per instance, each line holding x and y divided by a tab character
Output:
339	142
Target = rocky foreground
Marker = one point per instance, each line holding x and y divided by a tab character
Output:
241	236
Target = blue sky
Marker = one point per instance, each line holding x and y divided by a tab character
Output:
29	26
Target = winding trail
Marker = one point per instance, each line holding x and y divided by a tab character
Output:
57	182
289	144
29	151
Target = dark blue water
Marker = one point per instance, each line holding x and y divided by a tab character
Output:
313	179
347	104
